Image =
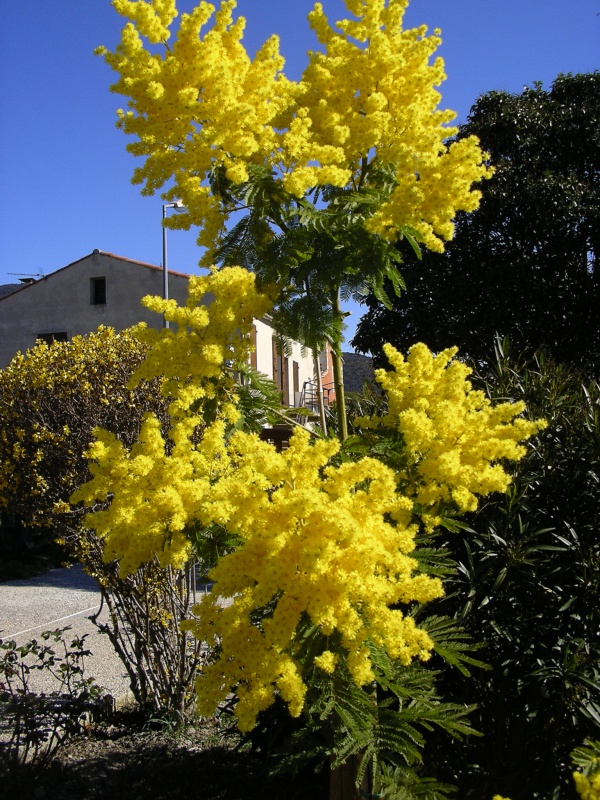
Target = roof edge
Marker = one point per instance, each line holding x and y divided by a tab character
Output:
96	252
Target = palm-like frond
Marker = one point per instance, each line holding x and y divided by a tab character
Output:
259	401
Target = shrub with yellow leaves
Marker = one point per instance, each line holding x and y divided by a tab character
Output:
51	398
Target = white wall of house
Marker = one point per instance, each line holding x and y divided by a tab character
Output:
65	302
290	372
105	289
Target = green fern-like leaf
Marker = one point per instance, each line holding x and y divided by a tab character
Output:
452	643
402	783
587	757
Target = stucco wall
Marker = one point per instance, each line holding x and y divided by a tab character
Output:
61	301
299	356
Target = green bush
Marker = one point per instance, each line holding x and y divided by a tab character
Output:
33	726
527	584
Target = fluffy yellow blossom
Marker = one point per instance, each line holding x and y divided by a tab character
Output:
368	96
152	20
203	103
453	435
324	542
154	494
371	93
210	330
316	543
588	787
157	486
327	661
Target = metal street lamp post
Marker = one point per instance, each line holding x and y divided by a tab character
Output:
179	206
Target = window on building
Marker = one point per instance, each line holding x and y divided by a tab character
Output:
97	291
55	336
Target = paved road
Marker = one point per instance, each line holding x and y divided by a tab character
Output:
56	599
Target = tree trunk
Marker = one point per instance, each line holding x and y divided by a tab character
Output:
320	392
342	781
338	371
340	396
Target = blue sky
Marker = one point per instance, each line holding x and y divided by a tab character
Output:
64	170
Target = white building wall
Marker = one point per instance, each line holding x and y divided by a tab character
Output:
61	302
290	372
264	347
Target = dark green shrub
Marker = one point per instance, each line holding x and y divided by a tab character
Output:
528	586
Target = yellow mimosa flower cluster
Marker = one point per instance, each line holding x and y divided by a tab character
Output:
453	435
370	96
324	541
317	539
211	330
316	542
156	486
152	20
588	787
206	103
154	495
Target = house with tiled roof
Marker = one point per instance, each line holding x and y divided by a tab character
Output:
106	289
98	289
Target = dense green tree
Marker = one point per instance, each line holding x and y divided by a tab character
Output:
527	586
525	263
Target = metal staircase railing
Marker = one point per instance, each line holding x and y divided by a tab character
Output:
308	399
305	411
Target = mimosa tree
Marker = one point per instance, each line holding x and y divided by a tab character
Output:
312	185
315	602
330	171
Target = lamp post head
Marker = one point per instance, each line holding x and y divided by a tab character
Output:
176	204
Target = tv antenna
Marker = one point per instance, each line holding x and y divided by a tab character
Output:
26	276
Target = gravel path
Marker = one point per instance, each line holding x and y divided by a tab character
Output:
60	598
